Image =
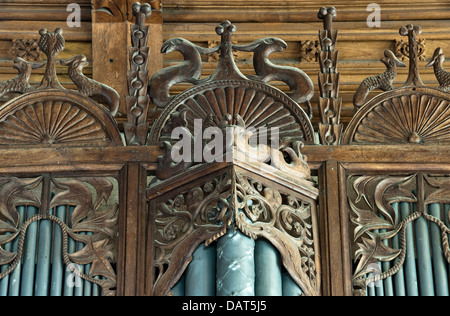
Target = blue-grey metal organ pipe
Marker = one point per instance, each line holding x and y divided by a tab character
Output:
235	265
268	280
200	279
243	267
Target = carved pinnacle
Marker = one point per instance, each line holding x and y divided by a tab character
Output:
412	32
227	68
141	12
327	15
51	44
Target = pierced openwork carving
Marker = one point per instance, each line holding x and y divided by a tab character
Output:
27	50
380	225
203	213
50	114
228	92
412	114
402	49
91	221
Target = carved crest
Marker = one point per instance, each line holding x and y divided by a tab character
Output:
50	114
227	92
413	114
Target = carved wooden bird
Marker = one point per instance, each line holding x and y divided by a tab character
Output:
90	87
383	81
442	76
20	83
302	87
188	71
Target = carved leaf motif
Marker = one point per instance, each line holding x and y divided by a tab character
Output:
6	256
98	253
442	194
99	222
74	193
102	186
390	191
367	220
17	192
372	251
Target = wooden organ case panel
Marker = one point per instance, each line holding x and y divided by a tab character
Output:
231	172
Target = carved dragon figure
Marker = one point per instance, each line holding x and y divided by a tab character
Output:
442	76
188	71
90	87
20	83
302	87
383	81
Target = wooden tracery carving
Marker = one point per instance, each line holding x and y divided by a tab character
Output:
50	114
413	114
200	205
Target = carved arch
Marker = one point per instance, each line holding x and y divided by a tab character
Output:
57	117
408	115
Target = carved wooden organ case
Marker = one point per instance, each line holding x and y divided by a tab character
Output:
344	209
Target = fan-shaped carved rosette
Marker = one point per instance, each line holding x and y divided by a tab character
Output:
411	115
258	104
56	118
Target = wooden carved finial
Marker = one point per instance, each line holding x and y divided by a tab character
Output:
141	12
51	44
412	32
138	101
227	68
330	104
327	15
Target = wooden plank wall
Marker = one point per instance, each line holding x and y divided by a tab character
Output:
295	21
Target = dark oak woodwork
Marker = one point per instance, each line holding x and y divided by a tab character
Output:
61	140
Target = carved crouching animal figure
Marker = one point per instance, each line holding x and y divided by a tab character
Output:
189	71
302	87
90	87
441	75
383	81
20	84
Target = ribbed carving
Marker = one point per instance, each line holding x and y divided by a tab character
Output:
51	122
414	118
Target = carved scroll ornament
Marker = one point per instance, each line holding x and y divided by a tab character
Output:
93	222
234	200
